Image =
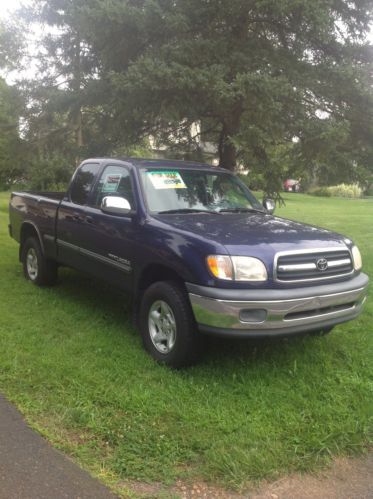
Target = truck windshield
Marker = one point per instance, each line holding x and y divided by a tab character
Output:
173	190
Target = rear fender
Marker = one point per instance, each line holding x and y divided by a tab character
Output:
29	229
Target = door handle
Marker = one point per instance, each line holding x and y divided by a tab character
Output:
76	217
89	219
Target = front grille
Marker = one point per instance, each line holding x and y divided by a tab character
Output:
313	265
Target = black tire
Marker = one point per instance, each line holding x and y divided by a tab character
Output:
44	271
322	332
187	344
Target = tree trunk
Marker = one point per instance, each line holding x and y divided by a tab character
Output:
78	129
227	149
77	110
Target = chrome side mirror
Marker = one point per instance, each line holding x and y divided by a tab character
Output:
115	205
269	205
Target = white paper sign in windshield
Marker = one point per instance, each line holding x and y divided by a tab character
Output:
166	180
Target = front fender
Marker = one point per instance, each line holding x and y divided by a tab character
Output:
180	252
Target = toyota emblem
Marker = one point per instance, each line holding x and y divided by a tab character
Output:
322	264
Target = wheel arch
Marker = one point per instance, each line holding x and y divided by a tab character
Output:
150	274
157	272
29	229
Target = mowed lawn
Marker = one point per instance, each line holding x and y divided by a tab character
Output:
73	363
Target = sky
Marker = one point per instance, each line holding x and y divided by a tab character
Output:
7	6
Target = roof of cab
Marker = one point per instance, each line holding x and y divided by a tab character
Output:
159	163
169	163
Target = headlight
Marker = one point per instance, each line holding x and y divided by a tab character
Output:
247	268
237	268
358	263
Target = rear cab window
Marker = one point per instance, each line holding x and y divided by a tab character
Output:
83	182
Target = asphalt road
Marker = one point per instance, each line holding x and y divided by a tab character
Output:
30	468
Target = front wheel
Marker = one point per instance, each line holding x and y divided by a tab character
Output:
36	267
167	325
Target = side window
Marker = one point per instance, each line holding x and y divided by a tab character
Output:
114	181
82	183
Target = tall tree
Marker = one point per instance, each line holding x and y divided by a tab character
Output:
261	76
64	70
257	73
11	167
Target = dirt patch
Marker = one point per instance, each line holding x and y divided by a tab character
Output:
181	490
345	479
202	490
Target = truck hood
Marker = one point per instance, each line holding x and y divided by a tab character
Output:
254	233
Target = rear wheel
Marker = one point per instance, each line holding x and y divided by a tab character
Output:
167	325
36	267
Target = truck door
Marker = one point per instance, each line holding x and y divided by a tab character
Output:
111	240
71	219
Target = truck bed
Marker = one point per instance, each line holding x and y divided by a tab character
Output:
39	209
58	196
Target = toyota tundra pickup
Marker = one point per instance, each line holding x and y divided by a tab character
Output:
196	250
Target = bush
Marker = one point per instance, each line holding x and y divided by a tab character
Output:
341	190
345	190
320	191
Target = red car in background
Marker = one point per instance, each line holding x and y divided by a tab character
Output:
291	185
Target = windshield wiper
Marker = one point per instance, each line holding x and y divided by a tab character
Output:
240	210
187	210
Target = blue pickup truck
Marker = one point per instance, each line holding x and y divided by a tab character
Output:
196	250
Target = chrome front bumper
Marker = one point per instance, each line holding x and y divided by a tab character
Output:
269	312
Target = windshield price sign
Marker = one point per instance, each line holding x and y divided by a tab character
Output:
166	180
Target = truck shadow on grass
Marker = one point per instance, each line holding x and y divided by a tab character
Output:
115	307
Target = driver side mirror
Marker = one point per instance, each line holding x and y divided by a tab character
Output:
269	205
115	205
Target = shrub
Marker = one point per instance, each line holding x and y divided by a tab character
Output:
320	191
345	190
341	190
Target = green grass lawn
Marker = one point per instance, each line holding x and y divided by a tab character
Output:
72	362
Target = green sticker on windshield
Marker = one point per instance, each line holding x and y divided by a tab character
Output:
166	180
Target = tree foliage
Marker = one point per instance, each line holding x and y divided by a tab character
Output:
281	86
11	166
258	74
11	44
